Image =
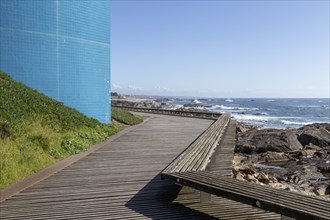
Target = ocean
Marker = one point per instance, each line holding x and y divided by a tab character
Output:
268	113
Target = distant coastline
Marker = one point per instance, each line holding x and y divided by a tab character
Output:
267	113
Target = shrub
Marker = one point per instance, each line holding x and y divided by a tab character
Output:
73	145
41	141
125	117
5	130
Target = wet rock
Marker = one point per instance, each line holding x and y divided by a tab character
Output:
255	140
324	166
259	141
311	146
192	105
321	189
316	135
302	175
242	127
273	156
327	190
295	154
293	140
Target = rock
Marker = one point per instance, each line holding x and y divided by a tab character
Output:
192	105
253	140
260	141
263	178
242	127
308	152
273	156
321	189
302	154
311	146
318	136
293	141
327	190
295	154
323	166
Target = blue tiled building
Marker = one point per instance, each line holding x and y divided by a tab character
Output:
60	48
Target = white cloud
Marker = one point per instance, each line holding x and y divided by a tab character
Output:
115	86
162	89
131	87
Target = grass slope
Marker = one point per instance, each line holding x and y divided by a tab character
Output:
37	131
125	117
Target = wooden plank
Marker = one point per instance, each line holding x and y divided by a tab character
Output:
286	203
118	181
197	155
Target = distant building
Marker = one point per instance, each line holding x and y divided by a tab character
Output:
60	48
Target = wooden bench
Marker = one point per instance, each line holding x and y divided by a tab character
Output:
190	169
284	202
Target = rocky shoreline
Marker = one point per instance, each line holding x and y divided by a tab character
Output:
150	103
289	159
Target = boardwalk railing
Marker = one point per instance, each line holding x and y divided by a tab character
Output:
199	154
193	114
190	169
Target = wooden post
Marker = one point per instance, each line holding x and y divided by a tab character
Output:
205	197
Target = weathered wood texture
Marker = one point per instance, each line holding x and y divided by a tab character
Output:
222	160
45	173
283	202
121	181
198	155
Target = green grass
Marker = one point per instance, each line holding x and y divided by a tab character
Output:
37	131
125	117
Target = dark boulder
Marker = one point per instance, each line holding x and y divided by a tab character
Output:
260	141
192	105
256	140
327	190
316	135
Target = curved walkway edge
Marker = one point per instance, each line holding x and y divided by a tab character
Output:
31	180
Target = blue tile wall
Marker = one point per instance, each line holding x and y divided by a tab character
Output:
61	48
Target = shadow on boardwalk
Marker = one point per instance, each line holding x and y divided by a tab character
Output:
155	201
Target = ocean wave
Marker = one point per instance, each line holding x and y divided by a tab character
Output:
178	106
229	100
311	106
286	122
272	121
264	118
196	101
222	107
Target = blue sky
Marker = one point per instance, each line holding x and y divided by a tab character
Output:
221	48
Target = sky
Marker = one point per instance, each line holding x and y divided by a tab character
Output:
221	49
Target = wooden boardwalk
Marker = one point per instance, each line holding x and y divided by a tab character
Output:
122	181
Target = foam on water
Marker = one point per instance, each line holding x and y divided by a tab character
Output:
270	113
223	107
196	101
